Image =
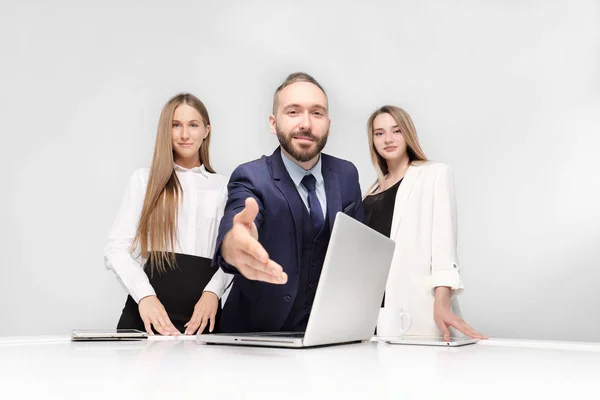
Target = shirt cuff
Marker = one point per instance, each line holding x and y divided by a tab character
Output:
215	286
142	289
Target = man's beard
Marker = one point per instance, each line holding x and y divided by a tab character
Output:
300	154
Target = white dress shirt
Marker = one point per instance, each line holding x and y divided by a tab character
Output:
296	172
202	205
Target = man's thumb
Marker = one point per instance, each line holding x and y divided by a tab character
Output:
248	214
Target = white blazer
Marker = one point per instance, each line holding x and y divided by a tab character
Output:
424	228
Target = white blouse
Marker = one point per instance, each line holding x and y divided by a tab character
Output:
201	208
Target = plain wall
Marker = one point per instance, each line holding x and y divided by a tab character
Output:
506	92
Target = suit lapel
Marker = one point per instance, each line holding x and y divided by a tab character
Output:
286	186
333	193
402	196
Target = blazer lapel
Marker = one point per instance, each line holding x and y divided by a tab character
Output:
402	196
332	191
286	186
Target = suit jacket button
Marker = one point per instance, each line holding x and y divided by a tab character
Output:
287	298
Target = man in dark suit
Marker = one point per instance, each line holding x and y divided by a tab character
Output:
279	215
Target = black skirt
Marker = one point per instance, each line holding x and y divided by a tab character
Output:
178	289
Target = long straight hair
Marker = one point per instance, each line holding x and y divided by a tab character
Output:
409	133
157	229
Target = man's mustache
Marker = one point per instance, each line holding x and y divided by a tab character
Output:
307	134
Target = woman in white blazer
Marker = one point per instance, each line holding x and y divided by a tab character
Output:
413	203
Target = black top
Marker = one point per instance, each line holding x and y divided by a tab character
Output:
379	209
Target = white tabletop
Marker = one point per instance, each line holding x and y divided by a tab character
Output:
56	368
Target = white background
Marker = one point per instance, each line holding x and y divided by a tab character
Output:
506	92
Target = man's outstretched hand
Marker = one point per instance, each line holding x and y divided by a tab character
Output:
242	249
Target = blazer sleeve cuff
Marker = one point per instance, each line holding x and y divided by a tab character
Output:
450	279
226	267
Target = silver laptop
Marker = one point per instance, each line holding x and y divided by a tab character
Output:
348	297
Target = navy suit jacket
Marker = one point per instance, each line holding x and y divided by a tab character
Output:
254	306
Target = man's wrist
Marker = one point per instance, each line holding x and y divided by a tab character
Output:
225	266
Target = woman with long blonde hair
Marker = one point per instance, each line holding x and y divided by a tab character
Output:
413	203
161	244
